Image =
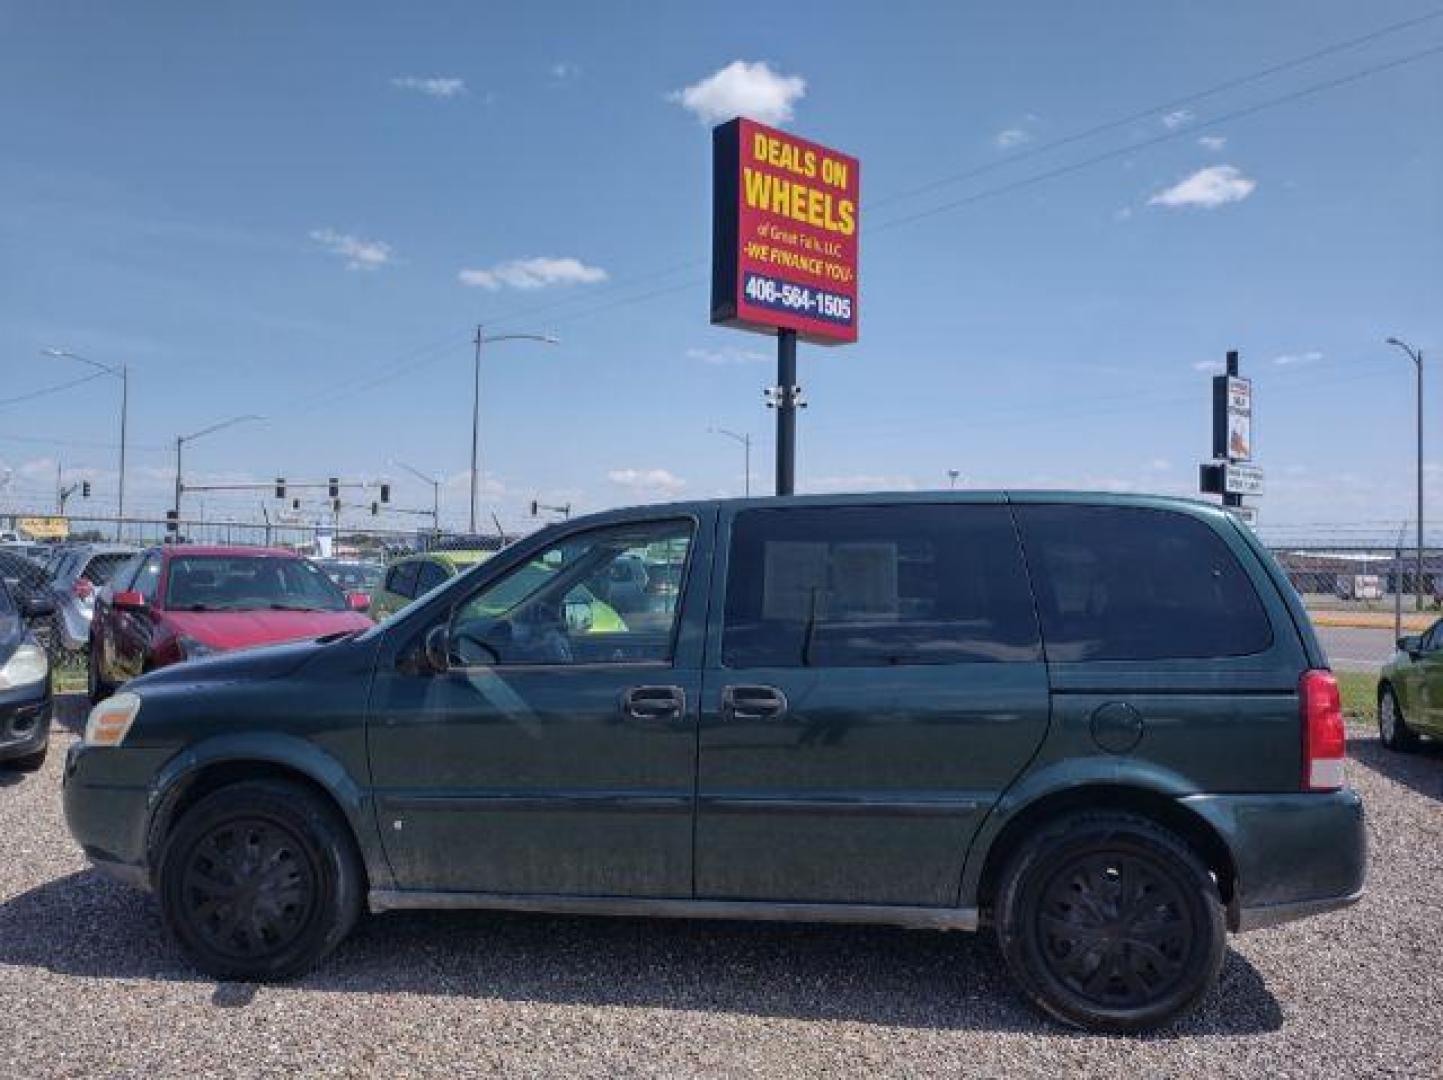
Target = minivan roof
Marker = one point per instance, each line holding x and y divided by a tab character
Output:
1193	506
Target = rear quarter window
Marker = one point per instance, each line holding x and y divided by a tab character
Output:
1127	583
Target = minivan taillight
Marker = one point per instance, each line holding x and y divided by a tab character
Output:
1324	742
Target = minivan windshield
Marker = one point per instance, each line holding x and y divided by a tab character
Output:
249	583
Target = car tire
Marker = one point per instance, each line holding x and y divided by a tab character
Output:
30	762
96	689
1086	953
260	880
1393	729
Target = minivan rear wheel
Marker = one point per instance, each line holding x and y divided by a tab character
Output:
260	880
1393	729
1110	922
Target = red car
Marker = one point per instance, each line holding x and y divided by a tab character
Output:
179	602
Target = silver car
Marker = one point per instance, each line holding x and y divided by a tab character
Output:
77	576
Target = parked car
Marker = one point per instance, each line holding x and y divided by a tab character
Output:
25	700
180	602
1100	725
75	577
22	575
413	575
353	575
1410	691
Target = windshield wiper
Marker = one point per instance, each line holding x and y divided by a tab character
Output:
297	607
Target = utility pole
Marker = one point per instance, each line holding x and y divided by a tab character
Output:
481	338
1416	355
122	372
746	442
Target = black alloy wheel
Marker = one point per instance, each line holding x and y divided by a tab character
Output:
1110	922
260	880
248	888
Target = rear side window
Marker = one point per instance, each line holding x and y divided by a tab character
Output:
100	567
401	579
876	587
1125	583
429	576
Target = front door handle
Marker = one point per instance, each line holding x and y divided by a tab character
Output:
653	703
753	703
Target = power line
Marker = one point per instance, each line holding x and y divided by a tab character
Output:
33	394
1168	136
1165	107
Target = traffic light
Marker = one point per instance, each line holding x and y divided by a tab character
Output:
385	493
85	489
172	521
295	504
535	508
334	490
375	508
280	487
336	505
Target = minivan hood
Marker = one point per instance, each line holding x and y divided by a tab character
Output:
261	662
240	629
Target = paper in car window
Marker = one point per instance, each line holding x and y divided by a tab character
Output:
864	579
794	570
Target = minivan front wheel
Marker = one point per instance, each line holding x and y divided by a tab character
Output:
1109	921
259	881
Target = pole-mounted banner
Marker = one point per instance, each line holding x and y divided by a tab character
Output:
785	223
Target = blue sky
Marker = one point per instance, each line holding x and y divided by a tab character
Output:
302	213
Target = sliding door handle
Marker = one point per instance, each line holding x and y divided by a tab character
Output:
753	703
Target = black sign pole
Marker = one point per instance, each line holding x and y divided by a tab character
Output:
1230	499
786	411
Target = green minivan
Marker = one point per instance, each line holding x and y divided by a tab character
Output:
1100	726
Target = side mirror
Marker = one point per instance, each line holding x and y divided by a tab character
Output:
36	606
437	648
128	600
358	601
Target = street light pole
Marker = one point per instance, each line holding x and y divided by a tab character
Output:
482	339
1417	357
122	372
746	441
435	492
181	440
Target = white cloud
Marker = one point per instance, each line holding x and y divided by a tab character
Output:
1212	142
729	355
360	254
1159	464
1312	356
647	481
536	273
565	71
742	89
1176	119
862	482
1011	137
1122	214
435	86
1207	188
1215	367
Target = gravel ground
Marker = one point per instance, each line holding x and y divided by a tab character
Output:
90	986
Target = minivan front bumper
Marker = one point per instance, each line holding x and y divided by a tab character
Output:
1294	855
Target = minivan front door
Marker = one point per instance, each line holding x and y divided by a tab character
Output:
874	682
557	754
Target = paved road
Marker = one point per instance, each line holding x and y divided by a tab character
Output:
1356	650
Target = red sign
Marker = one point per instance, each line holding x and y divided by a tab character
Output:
784	234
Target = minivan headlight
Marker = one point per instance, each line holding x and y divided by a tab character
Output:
109	722
27	665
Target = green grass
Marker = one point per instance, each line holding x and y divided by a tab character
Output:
1360	696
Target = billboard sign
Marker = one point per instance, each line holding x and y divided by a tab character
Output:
44	528
1232	418
785	220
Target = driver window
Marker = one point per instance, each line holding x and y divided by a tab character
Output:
608	596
